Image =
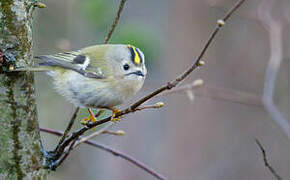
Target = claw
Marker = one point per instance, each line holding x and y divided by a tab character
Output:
113	119
114	112
91	118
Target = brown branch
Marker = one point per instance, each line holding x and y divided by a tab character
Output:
197	63
271	169
63	156
112	151
97	133
68	128
128	158
155	106
116	20
81	131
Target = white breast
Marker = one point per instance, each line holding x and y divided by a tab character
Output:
128	88
86	92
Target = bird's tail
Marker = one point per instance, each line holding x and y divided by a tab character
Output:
33	69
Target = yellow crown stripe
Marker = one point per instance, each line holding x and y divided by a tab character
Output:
135	56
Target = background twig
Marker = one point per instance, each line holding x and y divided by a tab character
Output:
217	93
274	28
68	128
229	95
271	169
86	138
112	151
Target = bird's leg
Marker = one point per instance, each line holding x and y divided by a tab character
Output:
100	112
92	117
114	112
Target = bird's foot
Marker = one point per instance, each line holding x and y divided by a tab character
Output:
89	119
114	113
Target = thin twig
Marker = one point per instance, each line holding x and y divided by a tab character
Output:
88	126
229	95
128	158
271	169
68	128
115	133
63	156
115	23
190	86
197	63
218	93
113	152
86	138
155	106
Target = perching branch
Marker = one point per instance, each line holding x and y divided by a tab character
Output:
197	63
271	169
112	151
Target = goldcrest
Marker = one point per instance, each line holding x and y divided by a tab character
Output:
100	76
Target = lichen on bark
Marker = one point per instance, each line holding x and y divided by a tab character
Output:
20	146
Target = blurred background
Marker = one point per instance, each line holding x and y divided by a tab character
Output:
207	138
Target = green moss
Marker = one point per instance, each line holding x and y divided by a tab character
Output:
20	155
15	124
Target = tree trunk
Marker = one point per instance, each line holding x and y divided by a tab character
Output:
20	146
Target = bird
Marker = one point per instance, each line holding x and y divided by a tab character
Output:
100	76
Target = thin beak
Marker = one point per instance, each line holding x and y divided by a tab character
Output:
138	73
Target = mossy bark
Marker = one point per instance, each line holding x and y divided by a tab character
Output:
20	146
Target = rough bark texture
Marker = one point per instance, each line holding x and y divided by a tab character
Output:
20	146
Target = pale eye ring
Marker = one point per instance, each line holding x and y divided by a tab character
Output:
126	67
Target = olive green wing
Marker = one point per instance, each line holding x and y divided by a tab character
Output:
98	60
74	60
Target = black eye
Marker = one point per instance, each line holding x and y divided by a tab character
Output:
126	67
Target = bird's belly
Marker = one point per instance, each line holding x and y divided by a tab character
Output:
87	92
99	98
